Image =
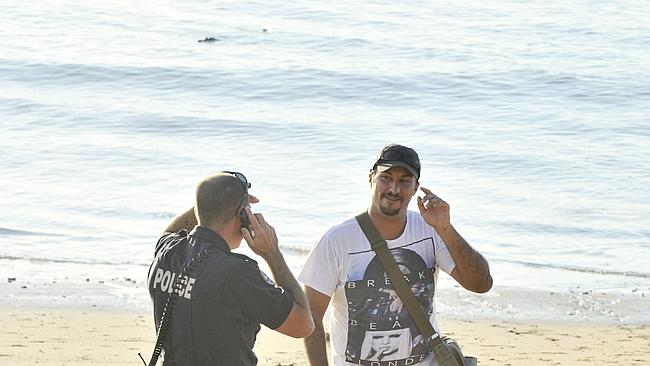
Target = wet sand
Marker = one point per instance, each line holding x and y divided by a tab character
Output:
43	336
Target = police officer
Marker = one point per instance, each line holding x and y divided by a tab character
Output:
221	298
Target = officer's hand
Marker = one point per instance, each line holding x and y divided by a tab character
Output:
434	210
263	241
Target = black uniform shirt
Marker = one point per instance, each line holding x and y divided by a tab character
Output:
218	312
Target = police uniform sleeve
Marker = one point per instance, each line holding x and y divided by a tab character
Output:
259	298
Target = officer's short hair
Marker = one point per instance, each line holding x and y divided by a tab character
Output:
218	198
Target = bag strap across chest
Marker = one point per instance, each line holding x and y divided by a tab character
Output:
413	307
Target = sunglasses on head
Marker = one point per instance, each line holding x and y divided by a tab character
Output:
397	155
242	214
241	177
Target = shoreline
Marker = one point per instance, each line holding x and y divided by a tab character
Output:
561	296
578	305
56	336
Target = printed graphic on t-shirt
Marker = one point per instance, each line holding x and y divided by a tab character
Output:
380	331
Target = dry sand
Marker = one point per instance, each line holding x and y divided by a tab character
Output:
94	337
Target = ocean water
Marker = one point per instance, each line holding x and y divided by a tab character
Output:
531	119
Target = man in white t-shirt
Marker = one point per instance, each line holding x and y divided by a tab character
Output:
368	323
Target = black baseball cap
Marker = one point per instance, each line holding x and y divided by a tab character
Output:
397	155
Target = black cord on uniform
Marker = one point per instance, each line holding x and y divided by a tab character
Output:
169	306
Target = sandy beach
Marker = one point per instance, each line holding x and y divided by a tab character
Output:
81	337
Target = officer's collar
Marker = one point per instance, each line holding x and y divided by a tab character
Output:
202	232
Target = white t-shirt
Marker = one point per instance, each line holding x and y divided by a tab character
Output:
368	324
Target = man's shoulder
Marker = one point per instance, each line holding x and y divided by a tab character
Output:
241	267
415	220
338	237
417	228
342	238
240	259
230	260
168	235
343	228
170	239
227	267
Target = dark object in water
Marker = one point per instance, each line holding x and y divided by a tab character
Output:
209	39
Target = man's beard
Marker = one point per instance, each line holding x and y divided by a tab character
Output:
389	211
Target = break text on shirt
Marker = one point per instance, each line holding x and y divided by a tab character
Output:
410	278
